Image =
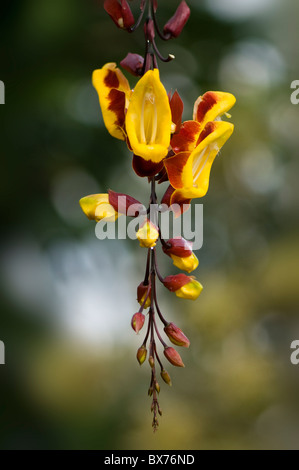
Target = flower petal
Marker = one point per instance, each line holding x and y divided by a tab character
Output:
185	140
146	167
175	167
114	92
148	119
212	105
179	203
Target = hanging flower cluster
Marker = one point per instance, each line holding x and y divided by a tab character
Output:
164	150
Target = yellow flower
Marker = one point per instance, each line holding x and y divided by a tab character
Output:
97	207
147	235
148	119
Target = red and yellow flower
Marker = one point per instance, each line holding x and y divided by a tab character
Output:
196	145
142	116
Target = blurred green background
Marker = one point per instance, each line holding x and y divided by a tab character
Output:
71	380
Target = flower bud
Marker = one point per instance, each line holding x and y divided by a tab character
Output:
178	247
176	24
141	294
133	63
151	362
149	30
173	357
147	235
97	207
120	13
176	335
183	286
180	251
157	387
137	321
166	377
141	354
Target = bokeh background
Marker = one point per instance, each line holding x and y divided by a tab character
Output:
71	380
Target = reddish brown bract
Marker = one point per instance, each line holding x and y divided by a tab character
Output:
122	203
178	247
175	281
133	63
120	13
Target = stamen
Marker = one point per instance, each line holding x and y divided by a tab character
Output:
154	123
148	119
142	131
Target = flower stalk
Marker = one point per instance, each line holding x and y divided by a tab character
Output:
165	149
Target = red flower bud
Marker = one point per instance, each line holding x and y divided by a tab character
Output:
176	24
137	321
133	63
149	30
120	13
178	247
125	204
142	292
173	357
141	354
176	335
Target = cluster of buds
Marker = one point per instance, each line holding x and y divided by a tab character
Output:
165	150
